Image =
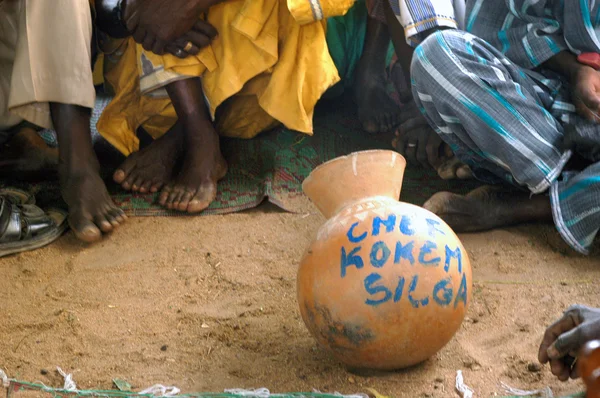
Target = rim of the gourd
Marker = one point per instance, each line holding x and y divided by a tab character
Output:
344	157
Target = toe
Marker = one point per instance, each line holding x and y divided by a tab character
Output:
102	223
124	170
205	196
128	183
145	187
438	202
119	176
137	183
83	227
111	218
172	200
184	201
370	126
464	172
164	195
156	185
119	215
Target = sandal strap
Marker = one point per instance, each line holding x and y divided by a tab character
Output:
34	221
22	222
10	222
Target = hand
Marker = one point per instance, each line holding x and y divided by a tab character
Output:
417	141
155	23
586	93
565	337
201	35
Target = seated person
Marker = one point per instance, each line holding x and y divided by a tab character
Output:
409	23
514	104
46	81
243	67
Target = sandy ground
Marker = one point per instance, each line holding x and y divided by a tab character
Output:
208	303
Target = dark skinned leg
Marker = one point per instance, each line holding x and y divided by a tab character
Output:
27	156
376	110
91	210
203	165
489	207
404	52
149	169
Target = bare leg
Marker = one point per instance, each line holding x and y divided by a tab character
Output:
152	167
91	210
26	156
203	164
489	207
376	110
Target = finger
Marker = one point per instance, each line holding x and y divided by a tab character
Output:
148	42
206	28
183	43
132	16
411	152
588	114
558	368
591	99
193	50
433	151
559	327
412	124
421	152
139	35
200	40
448	151
176	51
159	47
401	141
574	366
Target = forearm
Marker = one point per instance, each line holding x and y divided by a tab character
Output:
416	30
566	64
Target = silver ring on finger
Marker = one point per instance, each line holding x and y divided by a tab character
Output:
180	53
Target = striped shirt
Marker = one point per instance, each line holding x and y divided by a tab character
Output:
418	16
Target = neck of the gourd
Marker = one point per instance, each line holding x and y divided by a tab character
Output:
340	183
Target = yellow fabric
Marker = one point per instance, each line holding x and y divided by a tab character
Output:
307	11
264	68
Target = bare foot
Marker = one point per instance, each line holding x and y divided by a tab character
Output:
489	207
195	187
28	156
91	210
151	168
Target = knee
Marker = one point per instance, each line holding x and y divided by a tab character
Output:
436	54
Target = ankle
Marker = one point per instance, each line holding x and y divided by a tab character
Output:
78	166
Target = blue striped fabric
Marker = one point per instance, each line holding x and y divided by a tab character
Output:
418	16
480	93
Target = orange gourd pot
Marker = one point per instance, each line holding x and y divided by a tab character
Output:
385	284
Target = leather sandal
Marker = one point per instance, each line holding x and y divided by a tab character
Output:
24	226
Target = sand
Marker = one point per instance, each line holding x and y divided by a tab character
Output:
209	303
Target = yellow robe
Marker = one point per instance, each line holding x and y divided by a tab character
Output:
269	65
